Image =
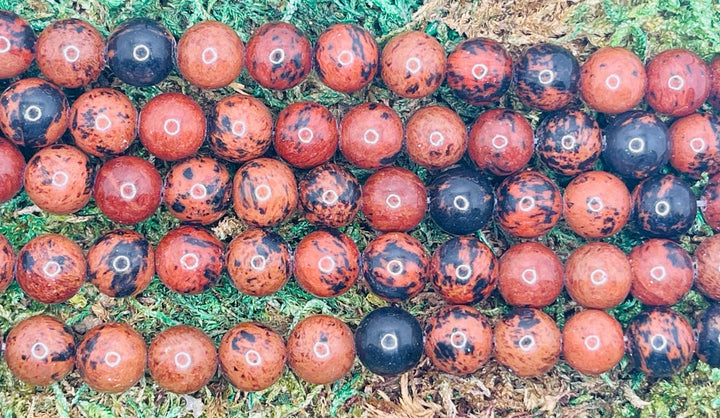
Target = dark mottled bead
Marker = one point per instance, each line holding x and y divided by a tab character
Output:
664	206
662	272
596	204
660	342
678	82
326	263
11	170
501	142
278	56
569	142
121	263
103	122
128	189
593	342
413	64
7	262
321	349
479	71
371	135
240	128
531	275
389	341
714	96
346	57
252	356
707	258
182	359
210	55
395	266
264	192
464	271
259	262
306	134
637	145
695	144
141	52
707	330
598	275
711	196
198	190
330	196
527	341
71	53
529	204
189	260
394	199
613	80
462	201
436	137
172	126
547	77
17	44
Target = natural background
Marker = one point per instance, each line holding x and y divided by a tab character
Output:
647	27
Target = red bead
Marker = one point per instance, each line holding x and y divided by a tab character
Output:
662	272
278	56
711	196
413	64
695	144
128	189
346	57
598	275
613	80
547	77
189	260
306	134
11	171
172	126
501	142
71	53
240	128
252	356
264	192
395	266
707	257
182	359
121	263
17	41
210	55
596	204
530	275
463	270
479	71
660	342
714	96
371	135
569	142
678	82
103	122
593	342
7	262
436	137
259	262
198	190
529	204
527	341
321	349
394	199
330	196
326	263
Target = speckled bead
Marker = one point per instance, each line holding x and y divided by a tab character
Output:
598	275
395	266
321	349
121	263
189	260
326	263
529	204
678	82
394	199
527	341
259	262
278	56
306	134
707	330
596	204
240	128
613	80
531	275
637	145
436	137
11	171
593	342
197	190
330	196
547	77
695	144
707	258
371	135
413	64
662	272
664	206
17	43
264	192
464	271
714	96
103	122
479	71
569	142
7	263
252	356
182	359
711	196
501	142
346	57
71	53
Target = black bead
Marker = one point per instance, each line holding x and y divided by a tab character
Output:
461	201
664	206
636	145
141	52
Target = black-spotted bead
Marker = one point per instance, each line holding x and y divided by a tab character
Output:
708	336
479	71
326	263
664	206
121	263
464	270
278	56
198	190
529	204
395	266
569	142
17	44
330	196
259	262
637	145
264	192
527	341
189	260
547	77
346	57
461	201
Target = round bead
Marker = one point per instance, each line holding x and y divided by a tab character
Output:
678	82
714	96
128	189
330	196
321	349
598	275
463	270
172	126
33	113
708	336
240	128
458	340
389	341
436	137
664	206
461	201
326	263
210	55
711	196
394	199
695	144
259	262
660	342
71	53
707	257
593	342
197	190
531	275
189	260
7	262
569	142
103	122
527	341
596	204
111	358
637	145
17	45
547	77
252	356
529	204
662	272
182	359
346	57
413	64
395	266
306	134
40	350
479	71
371	136
501	142
141	52
613	80
12	169
121	263
264	192
278	56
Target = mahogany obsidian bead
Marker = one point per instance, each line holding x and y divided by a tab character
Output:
395	266
593	342
529	204
436	137
259	262
711	196
569	142
326	263
210	55
198	190
501	142
306	134
121	263
479	71
664	206
462	201
278	56
463	270
346	57
321	349
714	96
394	199
264	192
637	145
182	359
547	77
596	204
531	275
11	171
371	135
172	126
389	341
240	128
413	64
189	260
598	275
695	144
7	263
707	257
103	122
527	341
707	330
662	272
330	196
613	80
678	82
17	44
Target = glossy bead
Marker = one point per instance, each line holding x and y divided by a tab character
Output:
259	262
501	142
463	270
182	359
121	263
711	196
240	128
389	341
637	145
7	262
714	96
596	204
252	356
479	71
613	80
264	192
197	190
436	137
71	53
278	56
33	113
662	272
569	142
40	350
306	134
527	341
598	275
17	43
128	189
707	330
395	266
210	55
141	52
531	275
103	122
458	340
326	263
189	260
12	169
346	57
593	342
413	64
660	342
529	204
547	77
371	135
707	258
678	82
172	126
394	199
664	206
461	201
321	349
330	196
695	144
111	358
59	179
